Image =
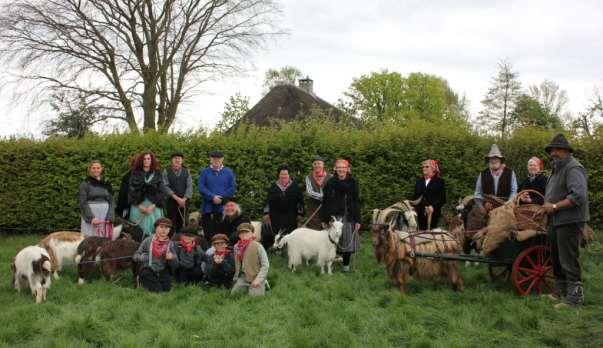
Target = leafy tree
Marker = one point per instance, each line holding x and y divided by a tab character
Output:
234	110
75	116
529	112
287	74
140	57
389	96
500	100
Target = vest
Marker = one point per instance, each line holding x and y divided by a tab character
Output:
556	190
178	183
504	183
251	262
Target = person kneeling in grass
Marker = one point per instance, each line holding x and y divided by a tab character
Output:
154	255
219	265
190	256
251	263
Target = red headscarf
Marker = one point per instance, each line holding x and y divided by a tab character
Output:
434	165
159	247
538	162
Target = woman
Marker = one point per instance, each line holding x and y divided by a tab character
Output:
341	199
233	217
314	186
536	180
96	203
284	203
431	190
145	194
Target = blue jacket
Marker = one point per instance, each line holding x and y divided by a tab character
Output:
215	183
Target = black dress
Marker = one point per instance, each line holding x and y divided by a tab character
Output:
537	183
284	207
433	194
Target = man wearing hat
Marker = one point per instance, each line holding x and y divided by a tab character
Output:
155	256
314	185
216	185
179	190
251	263
497	180
566	204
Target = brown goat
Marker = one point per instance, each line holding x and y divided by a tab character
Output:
116	256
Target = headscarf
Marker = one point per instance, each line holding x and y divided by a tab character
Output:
537	161
434	165
159	247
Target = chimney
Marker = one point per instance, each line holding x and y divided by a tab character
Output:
307	85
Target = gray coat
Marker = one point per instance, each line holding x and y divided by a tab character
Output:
144	254
568	181
95	191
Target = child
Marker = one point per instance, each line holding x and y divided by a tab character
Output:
251	263
219	265
154	255
190	255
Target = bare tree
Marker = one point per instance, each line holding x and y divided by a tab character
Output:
551	97
587	119
135	57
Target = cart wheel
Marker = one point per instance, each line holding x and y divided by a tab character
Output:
533	271
499	272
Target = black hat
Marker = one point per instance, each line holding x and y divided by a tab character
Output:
559	142
188	231
318	158
177	154
216	154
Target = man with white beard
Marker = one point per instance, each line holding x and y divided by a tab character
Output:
497	180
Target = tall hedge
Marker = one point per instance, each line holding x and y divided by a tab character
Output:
39	179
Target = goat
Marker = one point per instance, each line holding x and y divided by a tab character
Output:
32	267
61	247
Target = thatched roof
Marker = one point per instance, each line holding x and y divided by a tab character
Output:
287	103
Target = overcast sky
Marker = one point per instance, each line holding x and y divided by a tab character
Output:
336	40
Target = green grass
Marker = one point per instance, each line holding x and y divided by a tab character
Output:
304	309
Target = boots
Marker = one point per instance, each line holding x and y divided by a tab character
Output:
575	296
560	291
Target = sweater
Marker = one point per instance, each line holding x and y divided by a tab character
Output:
568	180
189	260
92	190
145	257
213	183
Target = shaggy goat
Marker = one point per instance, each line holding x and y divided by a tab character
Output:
116	256
393	249
85	258
304	244
61	247
31	267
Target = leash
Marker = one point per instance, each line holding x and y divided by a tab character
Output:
312	216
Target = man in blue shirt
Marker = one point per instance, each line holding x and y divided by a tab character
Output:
216	185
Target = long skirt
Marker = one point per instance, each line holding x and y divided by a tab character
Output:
145	221
350	240
99	210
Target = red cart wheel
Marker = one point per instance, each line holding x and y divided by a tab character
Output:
533	271
499	272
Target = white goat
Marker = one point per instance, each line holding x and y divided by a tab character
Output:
61	247
304	244
31	267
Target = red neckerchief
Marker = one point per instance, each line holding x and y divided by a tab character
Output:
188	247
222	253
159	247
319	177
498	171
241	247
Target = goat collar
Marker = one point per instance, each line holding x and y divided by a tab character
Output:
331	239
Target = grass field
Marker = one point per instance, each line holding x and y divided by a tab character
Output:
305	309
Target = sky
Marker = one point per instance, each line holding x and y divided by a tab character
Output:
334	41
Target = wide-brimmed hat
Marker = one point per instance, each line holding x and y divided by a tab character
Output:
245	227
220	237
163	221
559	142
216	154
494	153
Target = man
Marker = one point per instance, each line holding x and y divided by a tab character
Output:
314	184
566	204
497	180
216	184
178	189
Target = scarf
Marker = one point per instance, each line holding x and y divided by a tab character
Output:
319	177
283	187
188	247
434	165
222	253
159	247
100	183
241	247
216	170
497	172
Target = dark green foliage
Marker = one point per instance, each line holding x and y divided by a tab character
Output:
39	180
